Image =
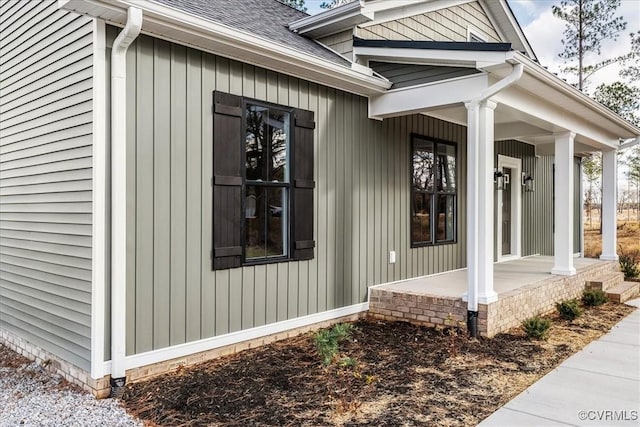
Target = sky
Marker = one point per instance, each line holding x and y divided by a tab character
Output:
544	33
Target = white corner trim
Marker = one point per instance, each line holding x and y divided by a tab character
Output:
183	350
100	153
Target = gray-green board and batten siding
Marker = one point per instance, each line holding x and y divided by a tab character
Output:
361	201
46	177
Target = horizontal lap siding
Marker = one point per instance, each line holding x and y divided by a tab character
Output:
362	202
448	24
45	177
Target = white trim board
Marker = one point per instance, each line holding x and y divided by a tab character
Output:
516	209
187	349
99	249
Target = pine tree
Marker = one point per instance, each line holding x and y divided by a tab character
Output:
588	23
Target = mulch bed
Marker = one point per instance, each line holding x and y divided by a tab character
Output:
404	375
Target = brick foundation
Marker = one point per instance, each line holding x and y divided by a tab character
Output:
101	387
78	376
510	310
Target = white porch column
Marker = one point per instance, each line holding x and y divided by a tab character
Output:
563	212
609	205
480	153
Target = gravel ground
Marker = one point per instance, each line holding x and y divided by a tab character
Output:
33	396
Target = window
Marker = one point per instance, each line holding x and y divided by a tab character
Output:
262	182
266	191
433	192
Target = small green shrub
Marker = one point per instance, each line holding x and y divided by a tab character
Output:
629	265
593	297
327	341
537	327
569	309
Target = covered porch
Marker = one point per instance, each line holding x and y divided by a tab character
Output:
501	95
524	287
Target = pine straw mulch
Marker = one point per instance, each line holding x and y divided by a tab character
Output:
404	375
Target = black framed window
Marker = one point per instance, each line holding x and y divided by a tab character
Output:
267	184
262	182
433	191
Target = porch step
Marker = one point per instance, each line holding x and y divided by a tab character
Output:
605	282
623	292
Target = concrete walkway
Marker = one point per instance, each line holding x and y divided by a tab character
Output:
598	386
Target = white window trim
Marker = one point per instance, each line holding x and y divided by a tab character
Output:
516	209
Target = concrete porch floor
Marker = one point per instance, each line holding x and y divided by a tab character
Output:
507	276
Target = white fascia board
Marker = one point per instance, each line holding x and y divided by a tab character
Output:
332	20
625	128
462	58
190	348
385	10
419	98
493	7
560	118
173	25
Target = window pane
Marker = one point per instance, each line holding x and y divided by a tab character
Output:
266	144
421	218
265	222
423	165
445	231
446	168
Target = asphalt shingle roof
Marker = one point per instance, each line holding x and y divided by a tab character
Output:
268	19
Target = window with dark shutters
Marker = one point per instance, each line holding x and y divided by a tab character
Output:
263	157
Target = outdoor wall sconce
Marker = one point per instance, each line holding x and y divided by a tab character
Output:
498	179
528	182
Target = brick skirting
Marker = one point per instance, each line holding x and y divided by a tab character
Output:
510	310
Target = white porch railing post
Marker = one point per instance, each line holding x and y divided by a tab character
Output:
563	210
609	205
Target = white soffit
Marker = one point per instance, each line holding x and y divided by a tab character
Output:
459	58
169	24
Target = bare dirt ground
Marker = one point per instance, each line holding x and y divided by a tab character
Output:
403	375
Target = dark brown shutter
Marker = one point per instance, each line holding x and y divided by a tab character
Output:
303	185
227	181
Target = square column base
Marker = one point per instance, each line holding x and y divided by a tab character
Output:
563	271
485	299
604	257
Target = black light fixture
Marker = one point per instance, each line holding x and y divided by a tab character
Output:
528	182
498	179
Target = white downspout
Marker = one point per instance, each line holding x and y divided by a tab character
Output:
472	181
119	196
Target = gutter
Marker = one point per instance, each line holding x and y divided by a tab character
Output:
630	143
473	186
119	197
537	71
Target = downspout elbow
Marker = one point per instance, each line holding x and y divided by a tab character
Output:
514	76
128	34
118	199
